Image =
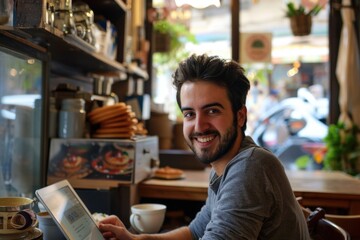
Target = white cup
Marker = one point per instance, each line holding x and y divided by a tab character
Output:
147	217
48	227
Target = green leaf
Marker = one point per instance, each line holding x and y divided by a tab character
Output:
292	11
302	161
315	10
343	150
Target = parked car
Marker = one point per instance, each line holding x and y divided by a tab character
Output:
291	129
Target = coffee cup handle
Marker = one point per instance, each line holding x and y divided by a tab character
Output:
133	218
23	219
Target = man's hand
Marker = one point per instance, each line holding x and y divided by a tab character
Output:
112	228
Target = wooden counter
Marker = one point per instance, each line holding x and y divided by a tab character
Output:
317	188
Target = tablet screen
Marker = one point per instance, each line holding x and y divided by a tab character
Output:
65	206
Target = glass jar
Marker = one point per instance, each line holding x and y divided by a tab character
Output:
63	17
5	12
84	19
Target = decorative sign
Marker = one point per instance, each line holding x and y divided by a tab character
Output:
311	3
255	47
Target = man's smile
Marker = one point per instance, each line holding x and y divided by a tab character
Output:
204	139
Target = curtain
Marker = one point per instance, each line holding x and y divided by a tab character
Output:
348	68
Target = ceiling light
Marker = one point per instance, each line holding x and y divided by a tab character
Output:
198	3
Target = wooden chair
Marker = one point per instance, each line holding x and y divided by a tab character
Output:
350	223
321	228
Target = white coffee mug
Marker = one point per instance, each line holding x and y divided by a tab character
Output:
48	227
147	217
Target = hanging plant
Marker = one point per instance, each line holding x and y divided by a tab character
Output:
169	40
162	36
301	18
176	33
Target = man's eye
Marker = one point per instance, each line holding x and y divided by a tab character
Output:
213	111
188	114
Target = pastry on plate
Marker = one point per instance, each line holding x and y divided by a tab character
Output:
169	173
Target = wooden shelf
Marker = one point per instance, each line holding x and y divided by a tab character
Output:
137	71
75	53
71	50
64	50
110	9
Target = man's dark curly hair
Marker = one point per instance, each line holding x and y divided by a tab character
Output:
225	73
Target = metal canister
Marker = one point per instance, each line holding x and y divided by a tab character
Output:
72	118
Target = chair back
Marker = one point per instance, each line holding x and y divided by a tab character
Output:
323	229
350	223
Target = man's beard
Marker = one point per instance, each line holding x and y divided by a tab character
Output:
208	156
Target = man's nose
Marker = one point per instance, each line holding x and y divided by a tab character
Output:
201	123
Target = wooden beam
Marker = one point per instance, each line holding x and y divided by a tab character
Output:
235	29
334	41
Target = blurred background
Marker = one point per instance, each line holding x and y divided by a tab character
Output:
290	78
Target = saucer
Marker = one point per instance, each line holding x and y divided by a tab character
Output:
30	233
17	231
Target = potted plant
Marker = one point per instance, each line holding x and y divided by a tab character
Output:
301	18
342	148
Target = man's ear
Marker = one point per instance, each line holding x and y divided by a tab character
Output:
241	115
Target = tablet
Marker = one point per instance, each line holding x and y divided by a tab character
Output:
68	211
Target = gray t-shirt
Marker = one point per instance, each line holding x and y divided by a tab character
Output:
253	199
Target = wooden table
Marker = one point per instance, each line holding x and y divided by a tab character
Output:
327	189
317	188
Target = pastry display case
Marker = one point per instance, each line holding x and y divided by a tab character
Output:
102	163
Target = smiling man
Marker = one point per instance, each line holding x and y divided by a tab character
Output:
249	195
